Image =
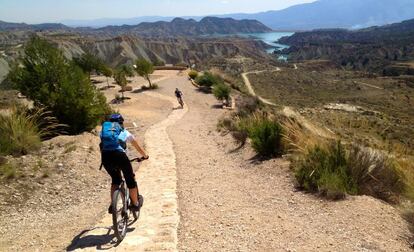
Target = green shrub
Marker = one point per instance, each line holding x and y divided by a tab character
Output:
50	80
266	137
153	86
221	91
8	171
247	105
193	74
324	170
158	62
88	63
208	80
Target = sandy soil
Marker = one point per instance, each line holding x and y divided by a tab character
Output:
75	195
230	202
227	200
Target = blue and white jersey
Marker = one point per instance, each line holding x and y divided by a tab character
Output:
125	136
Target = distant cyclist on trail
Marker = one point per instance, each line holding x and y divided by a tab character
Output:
114	159
179	96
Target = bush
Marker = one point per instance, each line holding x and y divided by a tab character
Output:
266	137
208	80
153	86
158	62
247	105
324	170
221	91
60	86
8	171
193	74
88	63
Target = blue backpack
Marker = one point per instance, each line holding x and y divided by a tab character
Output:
109	136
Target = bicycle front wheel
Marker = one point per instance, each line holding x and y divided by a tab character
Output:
119	214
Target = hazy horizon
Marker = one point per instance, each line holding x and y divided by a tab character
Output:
48	11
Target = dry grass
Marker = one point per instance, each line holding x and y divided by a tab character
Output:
298	139
375	174
406	167
22	130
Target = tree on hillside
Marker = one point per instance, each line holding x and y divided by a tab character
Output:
51	81
120	79
88	63
144	68
127	69
107	72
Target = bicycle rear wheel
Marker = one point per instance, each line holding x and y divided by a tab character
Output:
119	214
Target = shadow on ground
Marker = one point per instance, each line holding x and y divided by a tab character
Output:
101	242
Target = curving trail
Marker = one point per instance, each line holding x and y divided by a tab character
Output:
288	111
156	229
227	201
250	87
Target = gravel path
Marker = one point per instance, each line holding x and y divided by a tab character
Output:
157	226
229	202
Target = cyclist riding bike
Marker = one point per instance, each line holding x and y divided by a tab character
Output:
114	159
179	96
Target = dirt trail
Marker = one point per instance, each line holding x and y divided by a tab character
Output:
288	111
229	201
156	228
250	87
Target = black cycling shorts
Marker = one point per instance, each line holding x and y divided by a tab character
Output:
116	161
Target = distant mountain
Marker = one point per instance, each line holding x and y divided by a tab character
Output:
378	49
335	14
177	27
5	26
351	14
190	27
102	22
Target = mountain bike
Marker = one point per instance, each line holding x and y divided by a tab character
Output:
120	208
180	101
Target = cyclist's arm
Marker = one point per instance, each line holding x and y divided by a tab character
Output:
130	138
138	148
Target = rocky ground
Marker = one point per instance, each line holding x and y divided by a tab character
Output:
60	191
227	199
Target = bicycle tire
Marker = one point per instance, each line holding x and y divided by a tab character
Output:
119	215
136	214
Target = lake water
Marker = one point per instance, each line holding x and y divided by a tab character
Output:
269	38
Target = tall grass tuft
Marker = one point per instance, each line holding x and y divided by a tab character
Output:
299	139
22	130
375	174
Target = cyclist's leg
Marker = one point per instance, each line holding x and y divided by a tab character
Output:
110	163
129	176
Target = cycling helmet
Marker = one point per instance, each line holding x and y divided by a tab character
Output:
116	118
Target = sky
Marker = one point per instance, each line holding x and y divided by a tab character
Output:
40	11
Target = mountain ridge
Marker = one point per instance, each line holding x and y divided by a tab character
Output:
319	14
177	27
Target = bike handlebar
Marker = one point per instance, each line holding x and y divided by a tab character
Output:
138	159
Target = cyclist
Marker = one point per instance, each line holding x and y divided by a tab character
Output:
179	96
115	160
